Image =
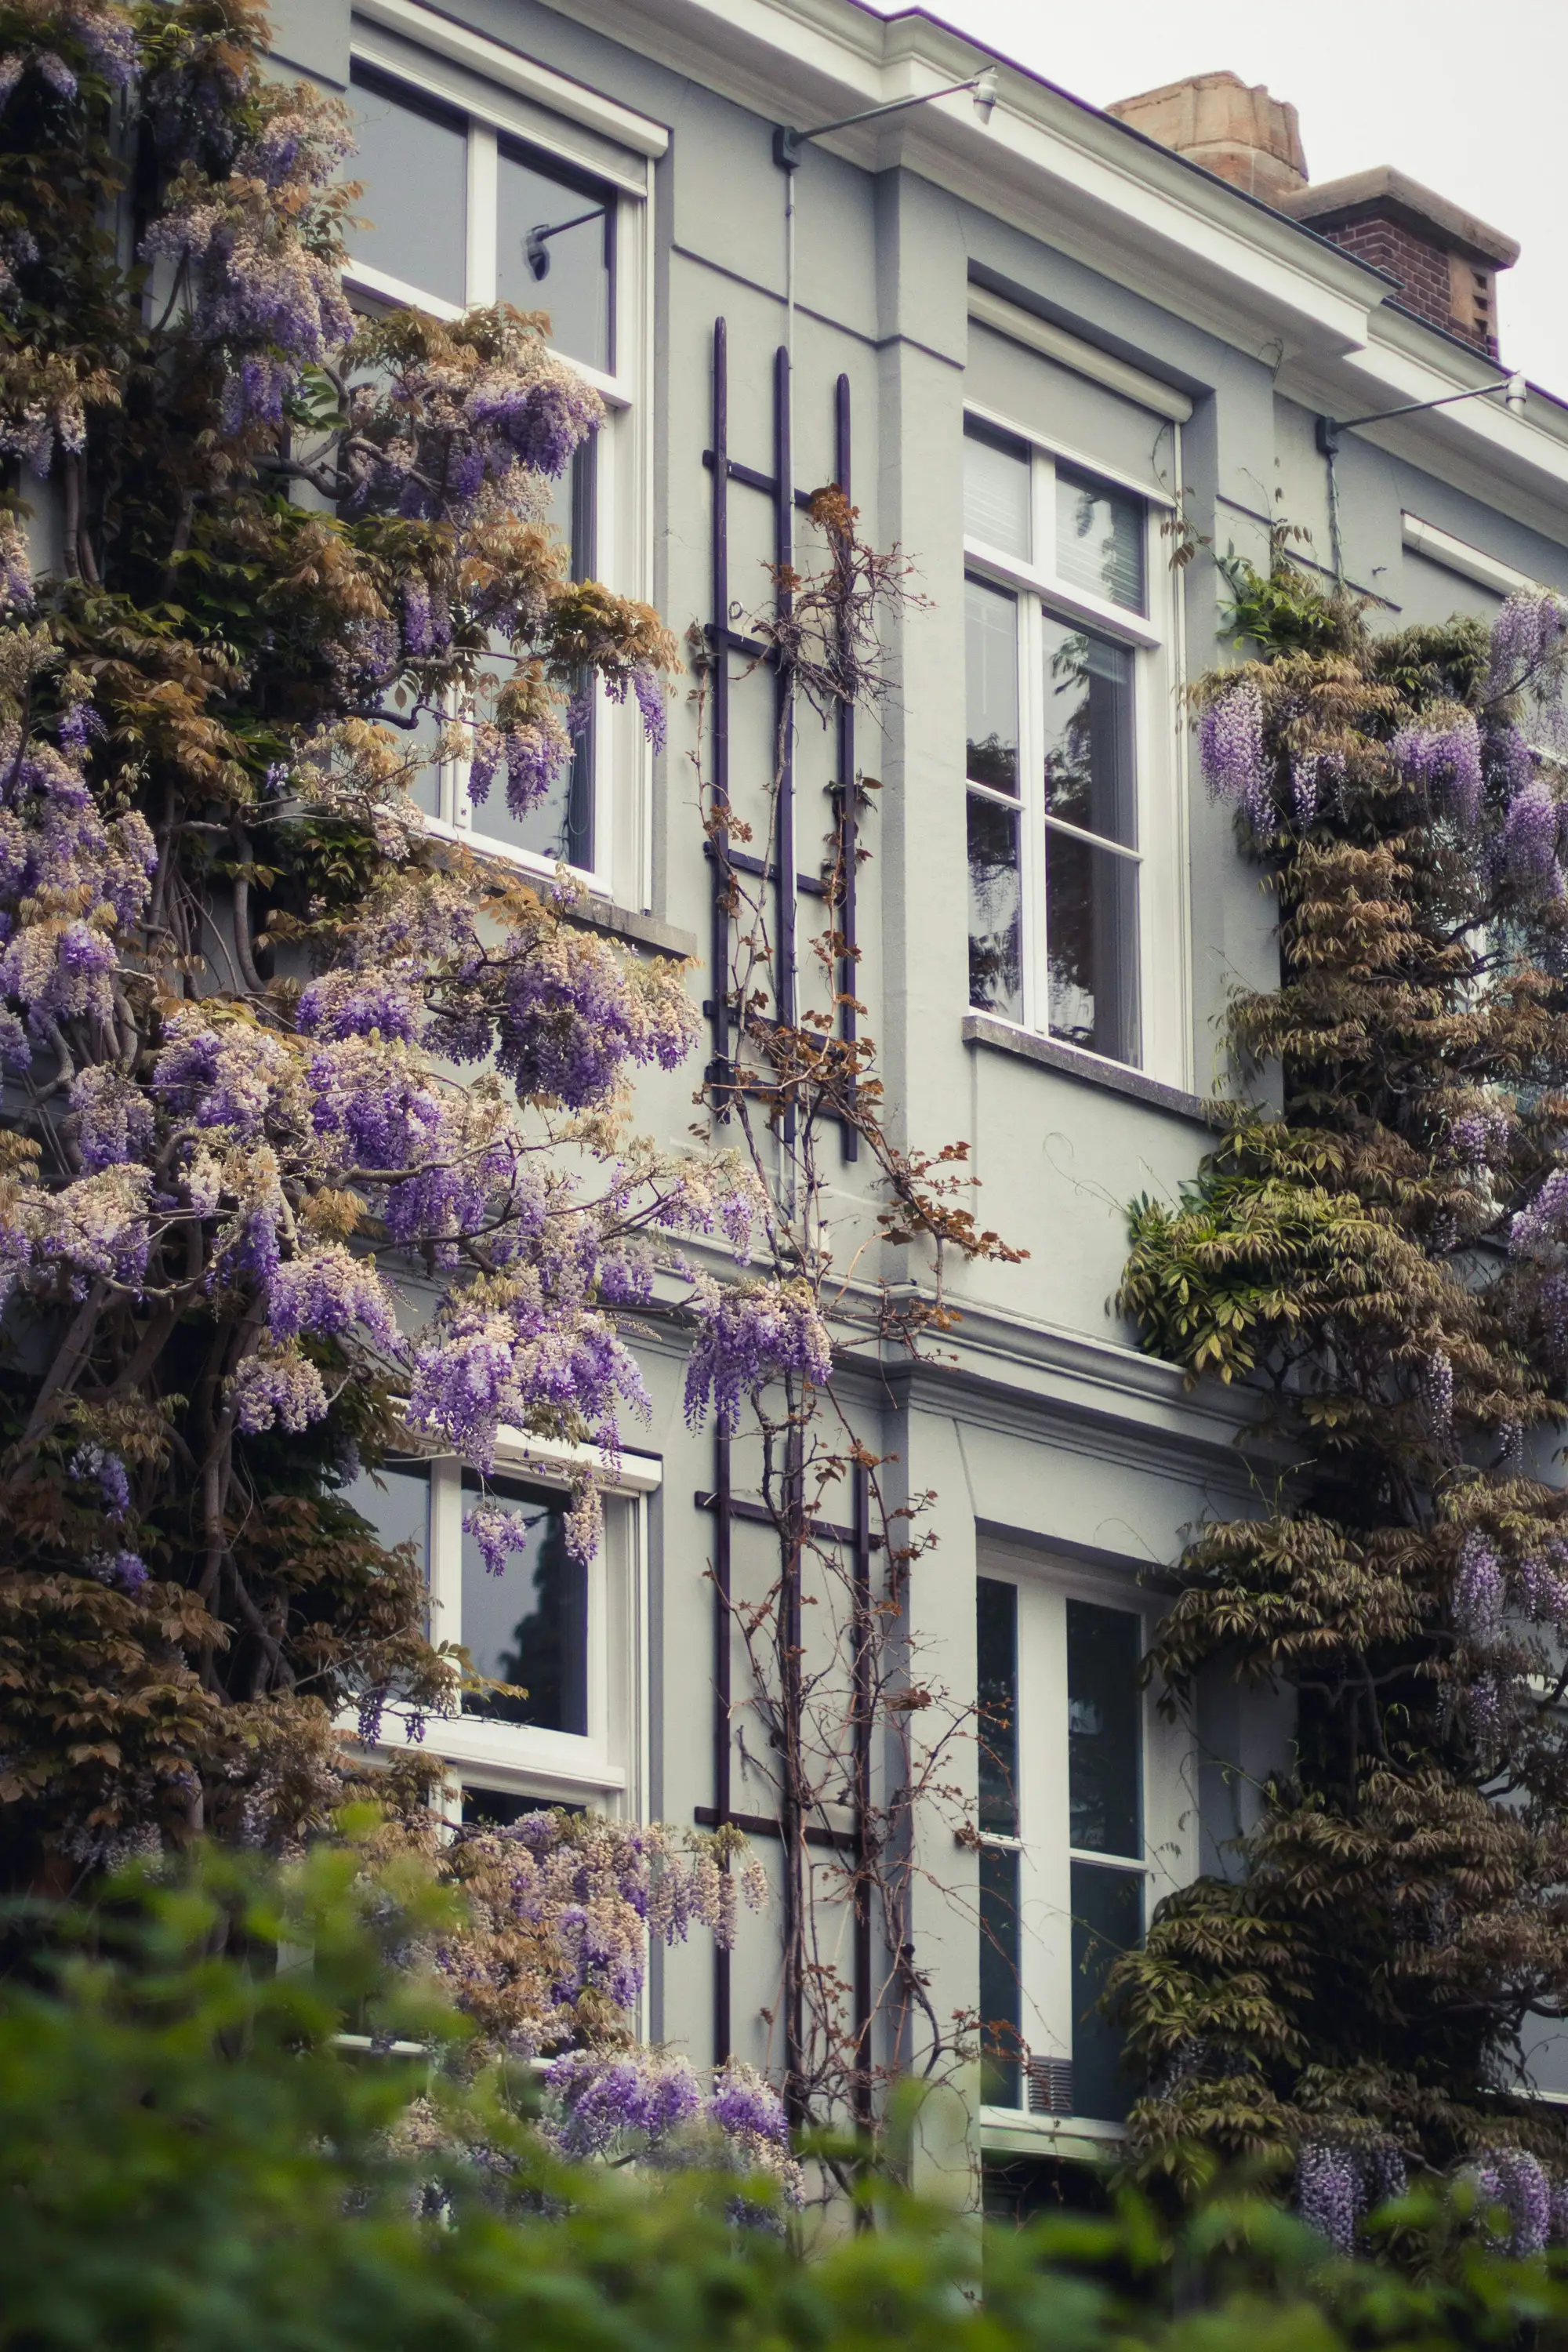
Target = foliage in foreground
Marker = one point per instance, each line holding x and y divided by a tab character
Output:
1386	1264
190	2159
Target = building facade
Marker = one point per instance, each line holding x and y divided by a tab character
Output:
1046	354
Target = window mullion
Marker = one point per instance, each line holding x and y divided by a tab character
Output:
482	182
1095	840
1031	804
446	1549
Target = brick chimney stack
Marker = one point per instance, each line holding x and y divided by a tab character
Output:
1444	259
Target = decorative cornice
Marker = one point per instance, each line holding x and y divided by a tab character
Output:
1098	190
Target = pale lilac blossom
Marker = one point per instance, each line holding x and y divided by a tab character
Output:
1231	750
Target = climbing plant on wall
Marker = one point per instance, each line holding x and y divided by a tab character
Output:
838	1717
312	1137
1382	1263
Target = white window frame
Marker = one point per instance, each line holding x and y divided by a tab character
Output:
1168	1813
608	1765
622	553
1158	747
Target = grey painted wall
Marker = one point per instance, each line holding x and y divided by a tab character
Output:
1043	1431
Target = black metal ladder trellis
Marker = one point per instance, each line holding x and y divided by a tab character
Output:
778	866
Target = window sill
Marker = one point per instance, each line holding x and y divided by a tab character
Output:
638	930
557	1760
593	911
1004	1037
1013	2131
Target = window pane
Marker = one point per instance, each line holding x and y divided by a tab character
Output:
995	914
1090	771
995	490
575	287
560	825
1104	1741
420	739
1001	2004
395	1499
1099	539
497	1808
1107	1921
412	162
996	1629
529	1625
991	655
1091	946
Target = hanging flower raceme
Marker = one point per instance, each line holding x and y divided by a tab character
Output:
461	418
649	2105
1444	760
1328	2193
15	568
1526	654
1516	2180
1530	842
1231	749
1478	1591
87	37
562	1909
1540	1229
751	1335
258	257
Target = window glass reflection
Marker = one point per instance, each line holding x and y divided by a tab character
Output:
1107	1921
1001	1998
528	1626
412	162
1101	535
395	1499
1091	772
990	657
995	909
1104	1756
1091	946
996	1644
996	490
575	288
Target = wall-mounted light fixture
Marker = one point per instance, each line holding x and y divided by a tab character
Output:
536	244
1513	389
788	142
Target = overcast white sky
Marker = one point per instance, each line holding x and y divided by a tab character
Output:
1472	99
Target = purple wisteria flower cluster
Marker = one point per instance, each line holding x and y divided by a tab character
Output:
1336	2185
1517	2181
98	38
243	1125
1235	764
459	424
561	1908
647	2104
751	1335
1444	759
1527	651
264	302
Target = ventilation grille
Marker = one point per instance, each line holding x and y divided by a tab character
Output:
1050	2086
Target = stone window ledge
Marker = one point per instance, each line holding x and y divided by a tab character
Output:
1003	1037
626	923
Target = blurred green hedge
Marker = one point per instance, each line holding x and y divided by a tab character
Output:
191	2160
